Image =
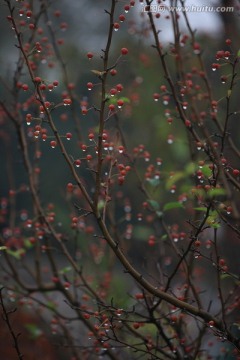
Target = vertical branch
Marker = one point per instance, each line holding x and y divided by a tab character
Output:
103	103
5	316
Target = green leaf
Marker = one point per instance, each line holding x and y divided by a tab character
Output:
159	214
51	305
164	237
238	53
65	270
190	168
28	244
114	100
174	178
153	182
154	204
3	248
173	205
141	232
216	192
213	220
224	276
101	205
207	172
33	330
201	209
16	253
125	99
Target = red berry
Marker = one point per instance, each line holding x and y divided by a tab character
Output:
111	107
42	87
25	87
121	18
90	55
116	26
68	135
89	157
136	325
139	296
91	136
69	187
29	13
53	144
37	79
77	162
57	13
197	243
113	91
124	51
222	262
120	103
86	316
211	323
113	72
89	85
196	48
119	87
47	104
151	240
67	102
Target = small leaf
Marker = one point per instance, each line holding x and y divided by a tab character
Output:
229	92
3	248
159	214
65	270
164	237
28	244
224	276
97	72
173	205
190	168
114	100
16	253
174	178
142	232
216	192
153	182
201	209
33	330
207	172
154	204
101	204
125	99
51	305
